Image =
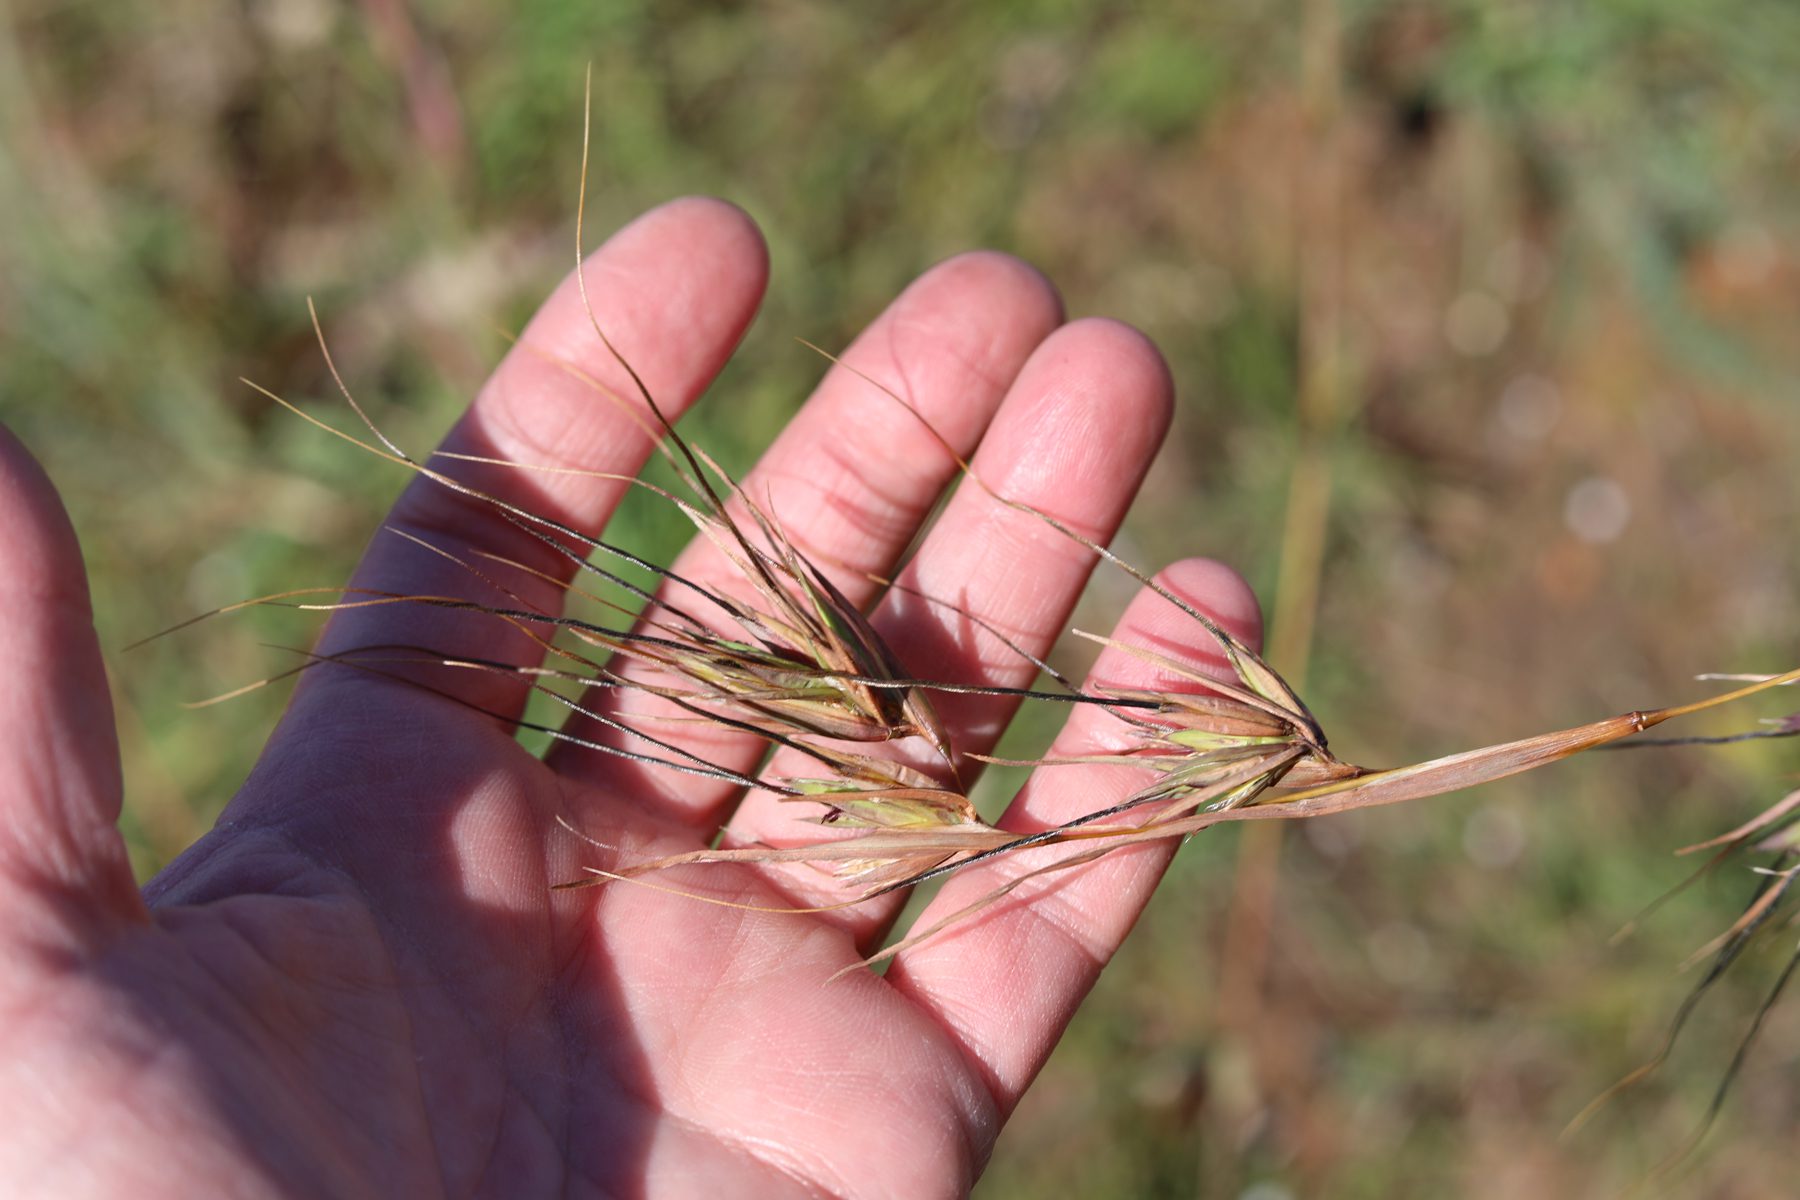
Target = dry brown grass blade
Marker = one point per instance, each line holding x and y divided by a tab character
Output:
1769	816
1474	767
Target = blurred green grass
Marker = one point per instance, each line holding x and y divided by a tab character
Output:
1565	271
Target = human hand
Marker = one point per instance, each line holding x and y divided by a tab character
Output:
361	983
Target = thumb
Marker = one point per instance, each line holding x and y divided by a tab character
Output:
61	857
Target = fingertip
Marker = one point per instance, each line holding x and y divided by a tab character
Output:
37	539
997	277
1152	622
711	227
59	845
1219	591
949	348
675	288
1127	359
984	309
1092	407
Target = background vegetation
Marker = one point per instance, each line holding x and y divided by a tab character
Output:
1481	315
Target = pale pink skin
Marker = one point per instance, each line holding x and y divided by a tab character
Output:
360	983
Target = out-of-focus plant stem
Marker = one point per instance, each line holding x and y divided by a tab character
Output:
1321	404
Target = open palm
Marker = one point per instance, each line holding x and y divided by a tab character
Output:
361	983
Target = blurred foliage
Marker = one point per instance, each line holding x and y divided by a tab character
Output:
1556	254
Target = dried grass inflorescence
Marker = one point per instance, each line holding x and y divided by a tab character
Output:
780	652
799	665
